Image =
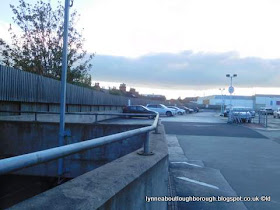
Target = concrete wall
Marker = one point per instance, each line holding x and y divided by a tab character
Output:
18	138
121	184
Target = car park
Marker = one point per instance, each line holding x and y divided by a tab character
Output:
139	110
161	109
178	110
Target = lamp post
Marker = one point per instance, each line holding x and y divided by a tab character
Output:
63	84
222	100
230	90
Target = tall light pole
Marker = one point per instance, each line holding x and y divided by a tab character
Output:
230	90
63	84
222	100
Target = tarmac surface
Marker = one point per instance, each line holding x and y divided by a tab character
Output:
241	160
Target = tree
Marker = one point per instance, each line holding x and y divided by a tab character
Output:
38	48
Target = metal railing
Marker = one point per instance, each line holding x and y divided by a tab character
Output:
12	164
263	118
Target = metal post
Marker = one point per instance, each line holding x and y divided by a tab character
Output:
147	144
230	111
63	83
222	101
146	150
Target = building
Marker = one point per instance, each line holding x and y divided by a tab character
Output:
272	101
96	86
256	102
133	92
155	97
122	87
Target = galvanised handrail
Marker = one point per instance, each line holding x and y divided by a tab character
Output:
8	165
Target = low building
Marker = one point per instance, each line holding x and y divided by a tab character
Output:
256	102
272	101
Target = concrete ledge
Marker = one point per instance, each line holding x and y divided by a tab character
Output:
121	184
69	118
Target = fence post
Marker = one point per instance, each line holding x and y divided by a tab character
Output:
95	117
146	149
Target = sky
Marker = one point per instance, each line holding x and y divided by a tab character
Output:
180	48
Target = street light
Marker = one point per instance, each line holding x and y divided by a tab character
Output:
62	132
230	90
222	100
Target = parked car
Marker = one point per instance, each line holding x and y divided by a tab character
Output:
196	109
276	113
226	112
187	109
138	109
240	109
178	110
249	109
161	109
242	115
267	110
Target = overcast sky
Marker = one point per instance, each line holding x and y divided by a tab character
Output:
182	45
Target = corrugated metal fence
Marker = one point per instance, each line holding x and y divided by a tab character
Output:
21	86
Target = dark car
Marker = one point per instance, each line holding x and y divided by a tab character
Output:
187	109
138	109
196	109
226	113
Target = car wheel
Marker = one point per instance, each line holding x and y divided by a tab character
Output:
180	113
278	116
274	116
169	114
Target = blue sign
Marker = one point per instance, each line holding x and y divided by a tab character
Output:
231	89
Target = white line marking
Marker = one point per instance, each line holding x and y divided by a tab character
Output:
191	164
198	182
198	125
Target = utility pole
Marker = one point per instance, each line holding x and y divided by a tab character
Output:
231	91
222	100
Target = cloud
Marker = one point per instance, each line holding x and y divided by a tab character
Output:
187	70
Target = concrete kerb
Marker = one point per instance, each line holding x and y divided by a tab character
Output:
100	187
